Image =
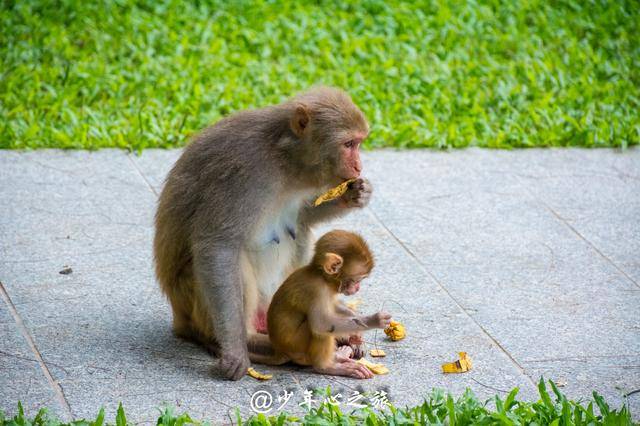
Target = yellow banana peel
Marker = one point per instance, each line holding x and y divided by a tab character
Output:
353	304
253	373
395	331
374	368
462	365
377	353
333	193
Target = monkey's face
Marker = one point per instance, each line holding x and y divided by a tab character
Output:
350	277
339	155
332	128
349	286
349	164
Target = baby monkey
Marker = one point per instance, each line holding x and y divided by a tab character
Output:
306	318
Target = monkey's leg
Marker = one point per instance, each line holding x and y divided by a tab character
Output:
311	214
323	356
218	274
250	292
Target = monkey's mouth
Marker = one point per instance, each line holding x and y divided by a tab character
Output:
352	289
349	176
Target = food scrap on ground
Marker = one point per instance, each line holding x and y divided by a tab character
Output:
66	270
377	353
253	373
374	368
333	193
462	365
395	331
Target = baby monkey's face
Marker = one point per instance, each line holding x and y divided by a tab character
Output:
350	284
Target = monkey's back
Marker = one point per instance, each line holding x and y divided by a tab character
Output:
221	168
210	196
211	190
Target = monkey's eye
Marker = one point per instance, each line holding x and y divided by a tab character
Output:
349	144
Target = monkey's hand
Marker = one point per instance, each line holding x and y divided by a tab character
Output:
379	320
358	194
234	363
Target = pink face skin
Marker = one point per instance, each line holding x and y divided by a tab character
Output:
349	287
351	166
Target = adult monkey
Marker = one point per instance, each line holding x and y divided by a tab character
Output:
234	217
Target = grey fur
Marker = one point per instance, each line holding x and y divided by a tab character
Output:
219	190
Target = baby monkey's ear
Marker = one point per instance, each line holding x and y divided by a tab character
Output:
332	263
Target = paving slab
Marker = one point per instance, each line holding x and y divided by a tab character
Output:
518	269
21	375
594	192
471	253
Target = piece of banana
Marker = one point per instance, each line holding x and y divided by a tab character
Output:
462	365
374	368
333	193
377	353
353	304
253	373
395	331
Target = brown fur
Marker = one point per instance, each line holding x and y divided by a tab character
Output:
227	184
314	290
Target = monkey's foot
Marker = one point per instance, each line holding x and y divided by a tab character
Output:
348	369
356	343
344	353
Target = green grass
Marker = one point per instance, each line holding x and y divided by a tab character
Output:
138	74
439	408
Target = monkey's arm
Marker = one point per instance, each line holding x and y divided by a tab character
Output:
310	214
328	323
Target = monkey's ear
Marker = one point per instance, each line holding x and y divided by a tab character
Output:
332	263
300	120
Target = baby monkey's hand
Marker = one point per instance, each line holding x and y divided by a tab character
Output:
379	320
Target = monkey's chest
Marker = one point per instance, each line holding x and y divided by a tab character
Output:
272	250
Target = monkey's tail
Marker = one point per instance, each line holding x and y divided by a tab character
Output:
276	359
170	252
262	351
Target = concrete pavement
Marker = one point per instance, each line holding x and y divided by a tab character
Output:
527	260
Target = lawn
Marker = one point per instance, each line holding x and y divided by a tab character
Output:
140	74
553	408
